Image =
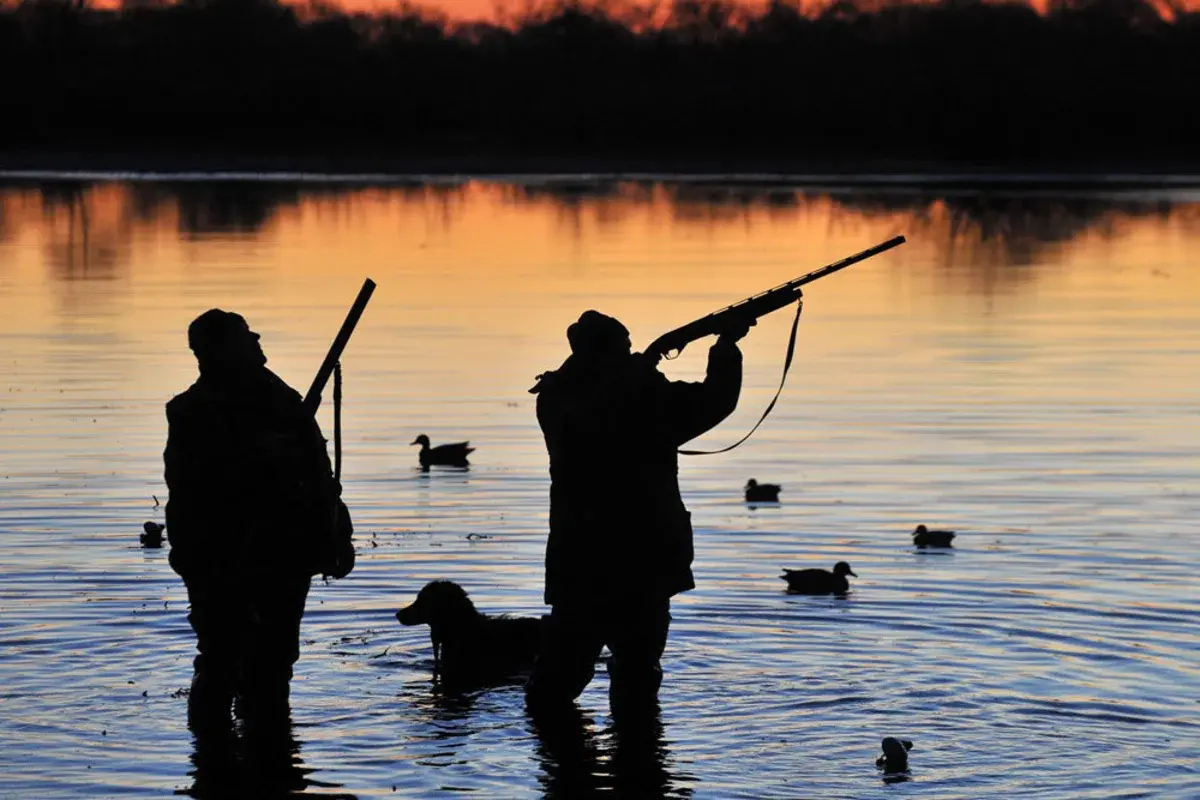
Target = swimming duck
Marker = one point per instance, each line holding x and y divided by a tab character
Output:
895	755
446	455
819	581
762	492
923	537
153	534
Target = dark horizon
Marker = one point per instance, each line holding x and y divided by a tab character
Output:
1089	83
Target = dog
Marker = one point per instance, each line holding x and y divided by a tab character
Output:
470	647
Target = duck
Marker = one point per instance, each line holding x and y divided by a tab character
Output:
446	455
762	492
923	537
819	581
152	535
895	755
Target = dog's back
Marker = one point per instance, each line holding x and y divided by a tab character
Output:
475	648
515	641
496	648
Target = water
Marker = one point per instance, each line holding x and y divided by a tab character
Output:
1024	370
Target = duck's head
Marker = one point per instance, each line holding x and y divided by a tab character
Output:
895	753
153	528
422	440
843	568
751	484
920	529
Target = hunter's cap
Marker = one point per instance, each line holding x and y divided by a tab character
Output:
211	329
596	334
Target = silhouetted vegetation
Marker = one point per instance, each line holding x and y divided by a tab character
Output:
955	80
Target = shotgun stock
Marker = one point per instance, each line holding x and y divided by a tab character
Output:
757	306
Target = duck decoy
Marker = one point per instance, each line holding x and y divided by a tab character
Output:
818	581
445	455
152	534
762	492
895	755
923	537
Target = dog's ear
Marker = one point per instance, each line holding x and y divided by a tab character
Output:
907	744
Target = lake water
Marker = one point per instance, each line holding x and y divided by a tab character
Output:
1024	370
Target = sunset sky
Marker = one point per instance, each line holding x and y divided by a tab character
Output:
488	9
459	9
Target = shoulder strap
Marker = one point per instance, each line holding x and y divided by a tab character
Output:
787	363
337	420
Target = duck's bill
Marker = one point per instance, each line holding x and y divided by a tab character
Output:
855	574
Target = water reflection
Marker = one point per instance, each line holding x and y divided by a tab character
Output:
86	240
89	227
446	719
629	759
252	757
451	713
214	208
1059	436
1013	229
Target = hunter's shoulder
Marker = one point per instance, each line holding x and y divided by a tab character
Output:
643	372
282	387
553	380
194	406
185	403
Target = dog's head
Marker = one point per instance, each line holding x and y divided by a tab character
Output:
439	602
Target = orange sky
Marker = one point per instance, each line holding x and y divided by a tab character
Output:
492	10
458	9
487	9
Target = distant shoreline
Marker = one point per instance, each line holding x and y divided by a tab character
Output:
508	168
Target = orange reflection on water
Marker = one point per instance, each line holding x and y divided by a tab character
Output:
1022	370
503	269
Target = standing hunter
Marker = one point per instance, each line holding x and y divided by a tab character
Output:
620	543
254	512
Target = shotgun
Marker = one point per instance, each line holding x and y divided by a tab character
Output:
313	399
754	307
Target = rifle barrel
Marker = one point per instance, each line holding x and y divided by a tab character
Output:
313	398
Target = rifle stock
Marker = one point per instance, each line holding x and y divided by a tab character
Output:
757	306
313	399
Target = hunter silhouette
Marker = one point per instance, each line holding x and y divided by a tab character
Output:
253	513
620	541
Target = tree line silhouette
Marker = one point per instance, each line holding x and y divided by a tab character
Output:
1096	82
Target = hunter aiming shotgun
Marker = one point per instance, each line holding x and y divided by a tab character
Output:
748	311
757	306
313	399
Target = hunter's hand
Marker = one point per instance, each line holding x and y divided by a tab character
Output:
738	329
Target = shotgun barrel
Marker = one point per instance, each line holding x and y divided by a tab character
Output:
757	306
313	399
